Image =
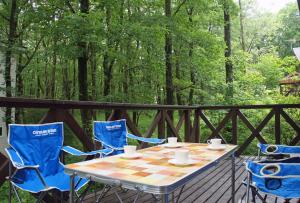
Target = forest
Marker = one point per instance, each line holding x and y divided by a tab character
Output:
184	52
141	51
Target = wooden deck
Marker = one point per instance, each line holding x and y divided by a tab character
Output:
212	186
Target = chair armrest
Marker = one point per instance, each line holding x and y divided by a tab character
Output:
76	152
148	140
17	161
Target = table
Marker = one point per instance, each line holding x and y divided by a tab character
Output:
151	173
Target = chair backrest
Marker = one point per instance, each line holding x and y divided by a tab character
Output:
270	149
280	178
111	133
38	145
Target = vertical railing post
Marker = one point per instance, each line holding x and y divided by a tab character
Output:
161	128
196	127
277	126
187	125
234	127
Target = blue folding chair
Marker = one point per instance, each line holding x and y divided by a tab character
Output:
113	135
278	151
34	152
280	178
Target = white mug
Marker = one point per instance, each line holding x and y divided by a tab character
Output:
172	140
129	149
182	156
214	142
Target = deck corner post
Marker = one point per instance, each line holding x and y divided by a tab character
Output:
187	124
161	128
234	127
277	126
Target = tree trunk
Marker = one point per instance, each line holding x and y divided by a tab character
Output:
82	75
178	76
192	67
227	39
66	81
53	71
168	56
242	26
107	68
13	23
108	61
93	78
19	89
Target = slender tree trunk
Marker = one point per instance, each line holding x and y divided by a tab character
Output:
192	67
242	26
53	71
93	78
82	74
74	80
108	61
19	88
227	39
168	56
107	68
66	81
13	23
178	75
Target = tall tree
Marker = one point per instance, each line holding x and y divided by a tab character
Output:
242	26
12	32
192	67
82	72
227	39
168	54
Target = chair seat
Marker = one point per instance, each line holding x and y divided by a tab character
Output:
60	181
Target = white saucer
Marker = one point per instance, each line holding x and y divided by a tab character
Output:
131	156
217	148
172	145
188	162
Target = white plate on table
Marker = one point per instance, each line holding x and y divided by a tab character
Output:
131	156
216	148
172	145
187	163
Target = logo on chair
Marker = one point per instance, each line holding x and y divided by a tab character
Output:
44	132
113	127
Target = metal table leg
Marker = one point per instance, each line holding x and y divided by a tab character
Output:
71	197
165	198
232	177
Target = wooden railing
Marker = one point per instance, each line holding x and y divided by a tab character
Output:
192	118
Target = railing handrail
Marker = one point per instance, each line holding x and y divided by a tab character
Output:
21	102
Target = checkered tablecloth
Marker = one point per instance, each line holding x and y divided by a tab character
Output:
152	168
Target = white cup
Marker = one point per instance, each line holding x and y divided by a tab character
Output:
214	142
130	149
172	140
182	156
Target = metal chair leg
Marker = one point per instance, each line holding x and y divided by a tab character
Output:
17	194
41	196
181	190
137	196
9	182
10	192
103	193
248	188
253	196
